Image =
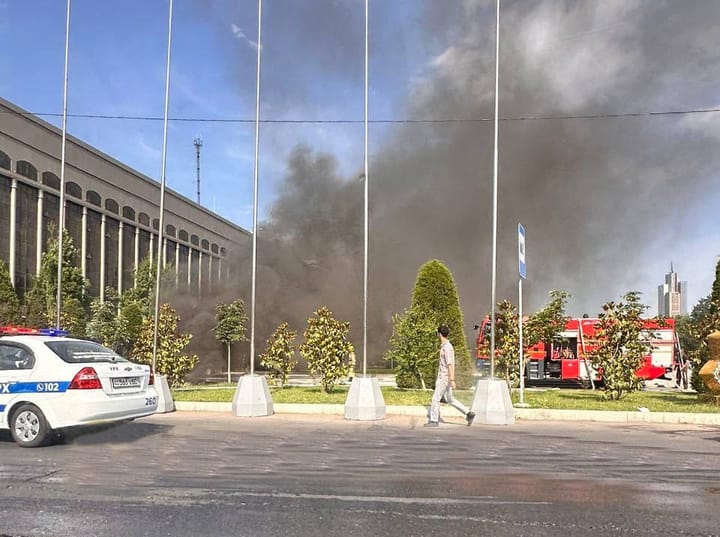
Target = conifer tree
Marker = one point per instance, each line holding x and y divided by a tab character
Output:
435	297
41	300
9	303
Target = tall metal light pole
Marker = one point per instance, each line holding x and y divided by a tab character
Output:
252	396
367	190
492	403
198	144
61	216
161	229
495	192
255	195
365	400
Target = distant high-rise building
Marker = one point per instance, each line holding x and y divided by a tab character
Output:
672	296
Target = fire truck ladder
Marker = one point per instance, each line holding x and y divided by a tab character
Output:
582	345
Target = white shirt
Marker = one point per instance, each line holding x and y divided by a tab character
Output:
447	358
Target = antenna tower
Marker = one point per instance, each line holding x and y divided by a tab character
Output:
198	144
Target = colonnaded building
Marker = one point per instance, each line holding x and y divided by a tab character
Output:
112	213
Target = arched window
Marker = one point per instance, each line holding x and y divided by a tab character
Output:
24	168
156	223
112	206
144	219
51	180
170	230
194	240
205	244
4	161
223	252
183	235
214	248
129	213
74	190
93	198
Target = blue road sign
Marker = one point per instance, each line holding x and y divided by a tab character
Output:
521	251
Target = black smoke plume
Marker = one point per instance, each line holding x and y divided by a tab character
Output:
601	185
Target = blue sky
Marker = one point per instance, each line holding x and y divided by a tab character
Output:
429	58
117	68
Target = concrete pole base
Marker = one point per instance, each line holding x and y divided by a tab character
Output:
252	397
365	400
492	404
165	399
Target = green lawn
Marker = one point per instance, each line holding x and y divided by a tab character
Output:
551	398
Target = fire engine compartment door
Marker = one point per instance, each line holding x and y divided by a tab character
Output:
570	369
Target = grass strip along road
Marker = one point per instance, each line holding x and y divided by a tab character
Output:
548	398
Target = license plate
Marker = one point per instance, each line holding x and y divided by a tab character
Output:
126	382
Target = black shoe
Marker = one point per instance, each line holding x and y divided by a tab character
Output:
431	424
469	417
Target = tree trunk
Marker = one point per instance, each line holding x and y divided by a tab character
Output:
229	378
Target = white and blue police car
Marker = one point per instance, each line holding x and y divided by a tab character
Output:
49	382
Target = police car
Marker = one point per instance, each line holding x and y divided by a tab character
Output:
49	382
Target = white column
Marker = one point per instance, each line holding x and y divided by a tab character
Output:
189	269
220	278
151	252
177	264
210	272
83	243
121	226
102	258
200	262
164	251
13	228
39	230
136	262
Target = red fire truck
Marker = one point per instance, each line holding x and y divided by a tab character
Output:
565	361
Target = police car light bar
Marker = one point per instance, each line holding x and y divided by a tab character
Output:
22	331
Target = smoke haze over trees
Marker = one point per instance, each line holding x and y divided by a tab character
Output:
605	200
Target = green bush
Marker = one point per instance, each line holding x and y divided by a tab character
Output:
622	345
507	355
279	355
327	349
413	349
170	360
693	330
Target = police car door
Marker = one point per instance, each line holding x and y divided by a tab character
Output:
16	365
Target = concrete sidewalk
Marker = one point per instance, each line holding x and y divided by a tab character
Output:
523	414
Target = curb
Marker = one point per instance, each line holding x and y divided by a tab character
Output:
610	416
522	414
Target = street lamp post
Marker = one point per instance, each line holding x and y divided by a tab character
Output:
61	216
492	403
165	403
365	400
252	395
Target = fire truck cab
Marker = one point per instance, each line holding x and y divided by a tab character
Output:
565	361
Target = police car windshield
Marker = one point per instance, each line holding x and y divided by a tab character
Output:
77	352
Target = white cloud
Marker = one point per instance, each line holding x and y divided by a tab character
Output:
149	151
240	34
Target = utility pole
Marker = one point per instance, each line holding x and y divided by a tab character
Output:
198	145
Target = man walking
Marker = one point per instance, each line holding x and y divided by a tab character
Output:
446	381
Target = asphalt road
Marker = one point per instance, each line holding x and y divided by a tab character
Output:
209	474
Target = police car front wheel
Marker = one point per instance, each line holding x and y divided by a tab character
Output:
29	426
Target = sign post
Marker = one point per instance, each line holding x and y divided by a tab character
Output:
523	274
